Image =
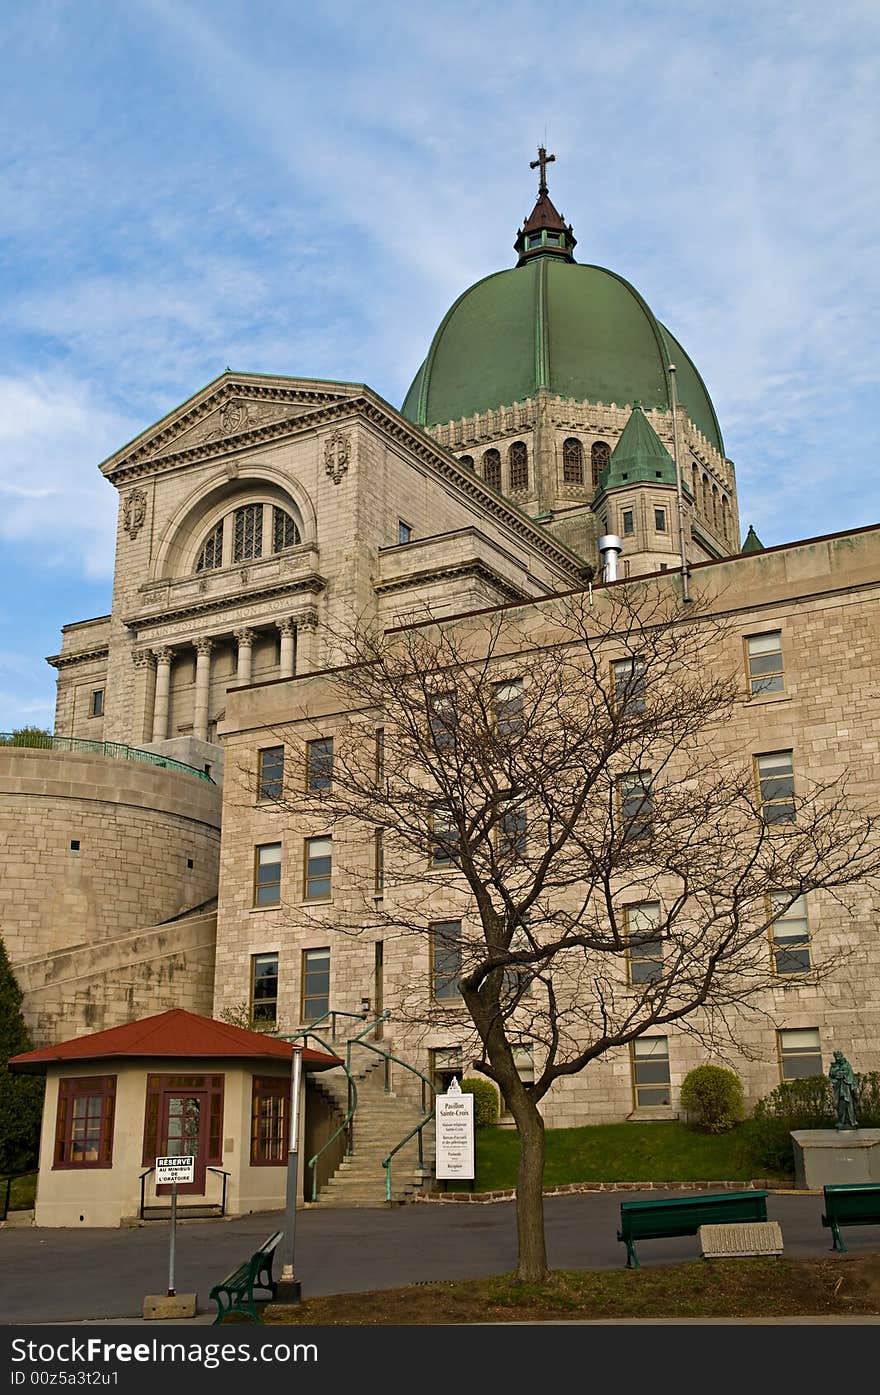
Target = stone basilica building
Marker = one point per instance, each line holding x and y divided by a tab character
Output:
264	514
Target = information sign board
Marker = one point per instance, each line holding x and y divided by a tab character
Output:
454	1120
175	1169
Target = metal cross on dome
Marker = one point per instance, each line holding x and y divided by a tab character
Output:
543	160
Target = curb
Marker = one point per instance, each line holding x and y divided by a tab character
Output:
579	1188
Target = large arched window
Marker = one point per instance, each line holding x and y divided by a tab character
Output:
518	461
600	455
492	468
211	555
250	531
572	461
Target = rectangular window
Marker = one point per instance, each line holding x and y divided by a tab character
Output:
379	757
318	869
84	1121
379	862
264	989
319	764
776	786
445	959
270	772
800	1053
644	950
765	663
267	874
96	703
790	934
635	805
660	520
629	685
518	978
442	719
404	531
446	1062
509	707
316	984
512	831
270	1105
444	834
628	524
650	1071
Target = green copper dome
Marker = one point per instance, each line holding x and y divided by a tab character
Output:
578	331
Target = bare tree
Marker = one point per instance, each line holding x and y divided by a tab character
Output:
557	779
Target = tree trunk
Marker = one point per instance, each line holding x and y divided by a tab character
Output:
532	1258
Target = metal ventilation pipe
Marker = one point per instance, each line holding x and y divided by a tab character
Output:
610	547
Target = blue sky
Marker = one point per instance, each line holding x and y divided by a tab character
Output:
191	184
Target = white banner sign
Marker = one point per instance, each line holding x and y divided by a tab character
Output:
455	1134
176	1169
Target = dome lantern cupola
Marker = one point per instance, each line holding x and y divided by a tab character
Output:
544	233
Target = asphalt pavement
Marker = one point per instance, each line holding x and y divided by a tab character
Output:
51	1275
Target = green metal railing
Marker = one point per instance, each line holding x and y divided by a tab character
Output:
347	1125
426	1085
116	749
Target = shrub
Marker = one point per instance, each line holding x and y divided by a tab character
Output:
714	1096
795	1104
485	1100
21	1096
868	1100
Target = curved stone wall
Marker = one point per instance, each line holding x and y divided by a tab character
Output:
93	846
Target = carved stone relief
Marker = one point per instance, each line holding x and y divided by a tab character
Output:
134	512
337	453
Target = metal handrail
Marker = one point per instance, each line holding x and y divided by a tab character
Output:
117	749
333	1014
11	1177
208	1168
428	1113
347	1125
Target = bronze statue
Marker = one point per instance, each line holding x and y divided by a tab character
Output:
843	1089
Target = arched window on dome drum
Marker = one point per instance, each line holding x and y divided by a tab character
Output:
284	530
706	499
518	461
725	518
248	533
715	507
467	461
211	555
572	461
492	468
600	455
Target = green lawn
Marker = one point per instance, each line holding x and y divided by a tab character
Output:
631	1152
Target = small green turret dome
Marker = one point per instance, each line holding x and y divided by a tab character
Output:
578	331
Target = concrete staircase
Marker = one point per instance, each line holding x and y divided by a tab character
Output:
380	1122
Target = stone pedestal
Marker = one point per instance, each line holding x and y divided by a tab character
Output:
163	1306
833	1157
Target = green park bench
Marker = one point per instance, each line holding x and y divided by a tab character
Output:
654	1220
235	1293
850	1203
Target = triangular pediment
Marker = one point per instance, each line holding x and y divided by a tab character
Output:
228	410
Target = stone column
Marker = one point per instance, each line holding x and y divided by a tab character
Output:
288	647
144	695
245	639
163	689
306	640
203	649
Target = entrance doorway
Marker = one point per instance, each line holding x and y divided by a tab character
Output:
184	1117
